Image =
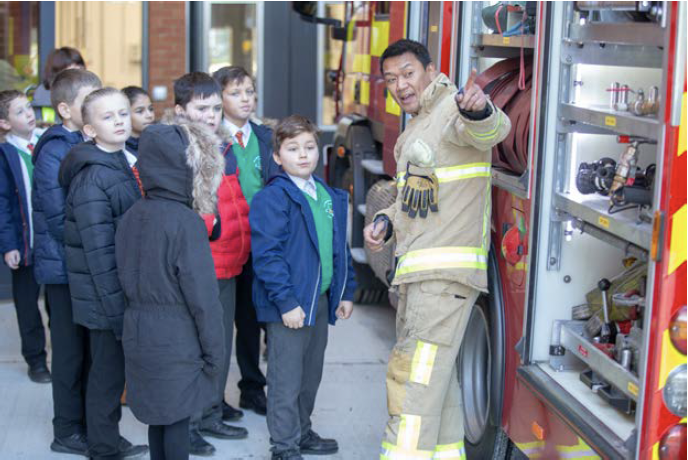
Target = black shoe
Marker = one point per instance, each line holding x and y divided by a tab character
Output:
75	444
199	446
128	450
287	455
313	444
223	431
39	373
257	402
230	414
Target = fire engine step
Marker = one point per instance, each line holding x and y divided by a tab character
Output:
373	166
607	428
359	255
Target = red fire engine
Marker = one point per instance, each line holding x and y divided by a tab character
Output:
580	349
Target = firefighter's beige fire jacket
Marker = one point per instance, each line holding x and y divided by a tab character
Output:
453	243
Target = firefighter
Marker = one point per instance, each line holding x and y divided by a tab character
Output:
440	224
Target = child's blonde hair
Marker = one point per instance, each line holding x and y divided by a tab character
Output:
93	97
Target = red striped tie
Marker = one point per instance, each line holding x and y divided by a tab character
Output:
138	180
240	138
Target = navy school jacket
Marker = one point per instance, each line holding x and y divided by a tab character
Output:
48	199
286	258
15	229
264	136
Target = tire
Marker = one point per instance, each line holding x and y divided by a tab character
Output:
370	290
481	435
481	375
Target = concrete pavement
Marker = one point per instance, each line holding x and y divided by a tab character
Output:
351	404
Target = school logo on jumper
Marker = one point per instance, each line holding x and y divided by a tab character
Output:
256	163
327	207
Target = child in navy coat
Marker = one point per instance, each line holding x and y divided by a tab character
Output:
18	122
304	281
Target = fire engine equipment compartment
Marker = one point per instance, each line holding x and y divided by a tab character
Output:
590	280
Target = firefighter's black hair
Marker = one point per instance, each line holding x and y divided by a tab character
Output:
406	46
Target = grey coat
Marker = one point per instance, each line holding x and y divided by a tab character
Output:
173	336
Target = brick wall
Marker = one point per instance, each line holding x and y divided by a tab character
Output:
167	47
4	19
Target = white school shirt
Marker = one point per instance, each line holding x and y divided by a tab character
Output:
307	186
233	129
131	158
22	144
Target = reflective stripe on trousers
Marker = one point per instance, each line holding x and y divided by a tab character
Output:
445	452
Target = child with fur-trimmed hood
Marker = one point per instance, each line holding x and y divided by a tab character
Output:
173	330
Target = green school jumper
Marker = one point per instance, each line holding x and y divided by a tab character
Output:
323	215
248	161
26	158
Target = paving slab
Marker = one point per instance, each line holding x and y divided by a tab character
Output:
351	405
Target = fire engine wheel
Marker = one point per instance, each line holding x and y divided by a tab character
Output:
370	290
483	439
480	367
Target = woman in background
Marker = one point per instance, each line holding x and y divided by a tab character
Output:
58	60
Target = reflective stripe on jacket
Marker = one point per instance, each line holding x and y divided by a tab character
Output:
453	243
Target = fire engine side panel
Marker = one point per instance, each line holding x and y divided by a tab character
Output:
364	87
510	239
388	108
357	61
670	269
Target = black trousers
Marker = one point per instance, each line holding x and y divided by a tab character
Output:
25	291
295	367
70	363
248	334
169	442
227	299
105	387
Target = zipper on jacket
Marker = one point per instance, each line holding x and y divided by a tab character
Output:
315	292
26	226
234	201
236	208
346	274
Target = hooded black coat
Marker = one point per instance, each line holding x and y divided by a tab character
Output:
173	331
102	188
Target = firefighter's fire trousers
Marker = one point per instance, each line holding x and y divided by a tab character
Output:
423	393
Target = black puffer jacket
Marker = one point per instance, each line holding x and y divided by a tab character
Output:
173	334
102	188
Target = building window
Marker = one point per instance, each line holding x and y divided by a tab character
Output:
232	36
109	35
18	45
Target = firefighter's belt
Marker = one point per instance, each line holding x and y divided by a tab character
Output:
420	192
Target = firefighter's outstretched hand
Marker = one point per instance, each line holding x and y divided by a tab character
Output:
419	195
346	307
374	235
471	97
294	319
